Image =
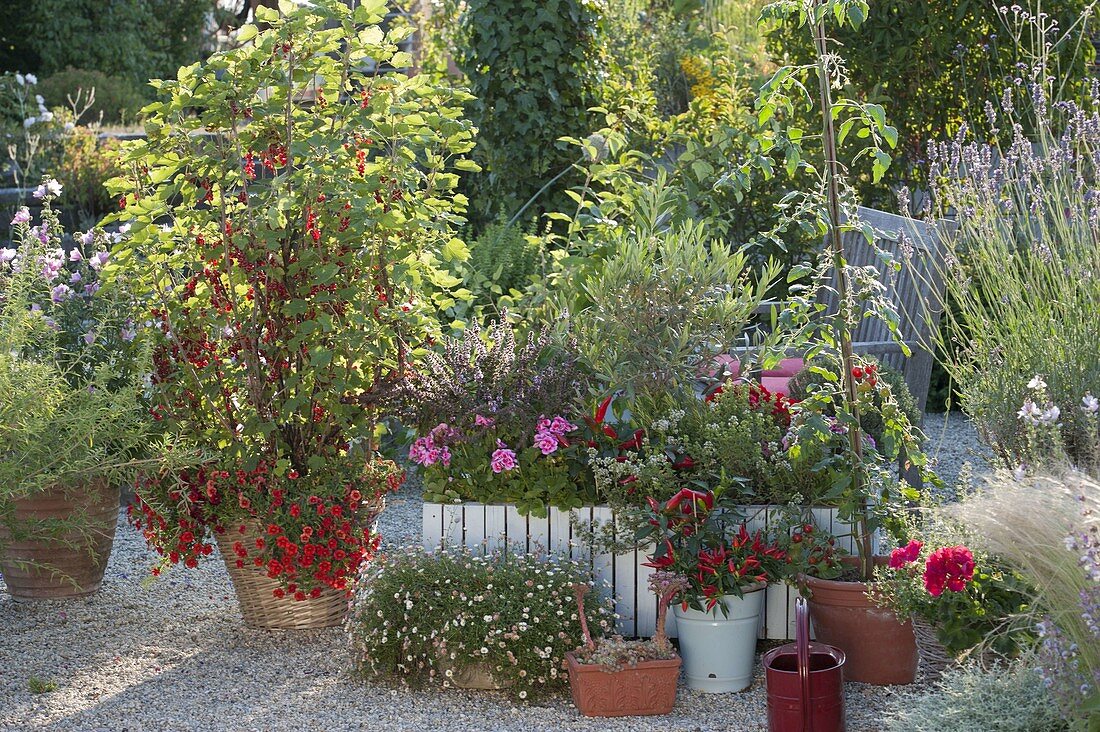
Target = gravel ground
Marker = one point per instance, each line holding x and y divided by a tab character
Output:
953	443
172	654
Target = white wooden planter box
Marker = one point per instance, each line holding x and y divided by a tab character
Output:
484	528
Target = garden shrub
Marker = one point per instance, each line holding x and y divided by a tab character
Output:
291	257
937	64
530	66
661	306
1002	699
136	39
422	617
117	99
503	259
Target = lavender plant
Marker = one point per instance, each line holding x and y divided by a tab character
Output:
1023	275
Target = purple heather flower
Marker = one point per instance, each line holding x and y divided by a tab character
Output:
75	255
89	337
22	216
87	238
7	255
74	278
1090	404
128	331
92	289
41	232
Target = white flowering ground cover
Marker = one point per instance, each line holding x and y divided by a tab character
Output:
172	654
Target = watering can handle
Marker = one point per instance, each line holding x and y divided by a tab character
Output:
802	645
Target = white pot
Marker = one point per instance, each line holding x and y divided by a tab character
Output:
719	650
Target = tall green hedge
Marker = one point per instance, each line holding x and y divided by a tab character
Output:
531	65
135	39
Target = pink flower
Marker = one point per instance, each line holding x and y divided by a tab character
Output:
546	441
951	567
22	216
503	459
905	555
423	451
560	426
445	456
480	421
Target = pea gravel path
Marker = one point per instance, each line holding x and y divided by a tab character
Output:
172	654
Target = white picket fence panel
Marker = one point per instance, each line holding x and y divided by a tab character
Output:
488	527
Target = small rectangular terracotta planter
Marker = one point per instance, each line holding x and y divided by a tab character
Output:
646	689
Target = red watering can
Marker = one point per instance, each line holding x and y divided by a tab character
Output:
805	682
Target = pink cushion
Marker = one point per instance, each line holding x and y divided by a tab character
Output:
775	384
787	367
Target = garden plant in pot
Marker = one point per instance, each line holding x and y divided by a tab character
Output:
288	218
613	677
70	417
700	535
880	647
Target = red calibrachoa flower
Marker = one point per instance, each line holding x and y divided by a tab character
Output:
272	350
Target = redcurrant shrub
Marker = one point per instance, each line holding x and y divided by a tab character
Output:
291	218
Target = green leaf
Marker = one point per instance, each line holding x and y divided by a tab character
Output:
246	33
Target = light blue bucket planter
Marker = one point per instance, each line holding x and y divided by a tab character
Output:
719	651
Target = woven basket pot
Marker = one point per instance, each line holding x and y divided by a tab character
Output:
71	564
934	658
260	608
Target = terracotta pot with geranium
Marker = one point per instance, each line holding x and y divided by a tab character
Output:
288	217
700	535
612	677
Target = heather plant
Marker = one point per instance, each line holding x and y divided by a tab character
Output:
496	421
1022	288
1048	529
289	219
425	618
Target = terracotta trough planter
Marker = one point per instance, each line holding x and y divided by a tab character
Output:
646	689
72	564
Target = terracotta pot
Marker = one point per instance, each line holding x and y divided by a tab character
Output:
646	689
880	648
72	564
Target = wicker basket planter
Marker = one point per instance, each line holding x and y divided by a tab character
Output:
259	606
934	658
70	565
261	609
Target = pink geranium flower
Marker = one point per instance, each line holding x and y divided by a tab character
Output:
502	459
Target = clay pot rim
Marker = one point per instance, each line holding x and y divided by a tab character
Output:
879	560
673	662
